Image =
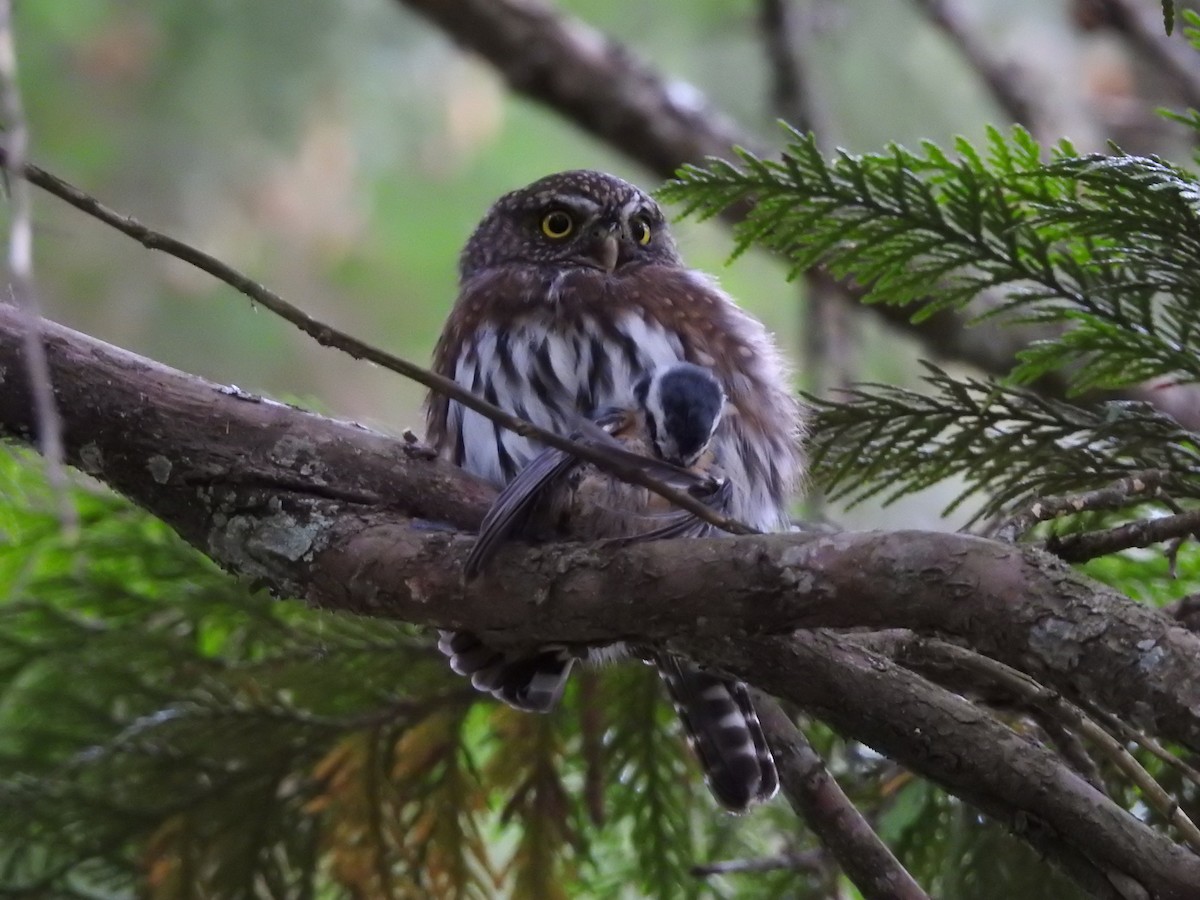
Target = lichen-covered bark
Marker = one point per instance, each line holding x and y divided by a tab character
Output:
345	517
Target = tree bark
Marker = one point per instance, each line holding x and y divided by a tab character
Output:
348	519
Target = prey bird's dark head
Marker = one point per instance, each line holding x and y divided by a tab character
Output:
683	404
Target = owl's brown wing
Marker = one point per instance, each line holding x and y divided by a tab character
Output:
510	513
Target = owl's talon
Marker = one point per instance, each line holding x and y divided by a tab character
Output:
415	448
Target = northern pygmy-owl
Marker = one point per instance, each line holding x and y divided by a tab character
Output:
571	295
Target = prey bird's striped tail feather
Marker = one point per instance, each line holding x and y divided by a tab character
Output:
724	732
532	681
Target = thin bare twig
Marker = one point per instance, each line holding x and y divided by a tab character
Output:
1132	489
1131	735
819	800
1051	701
328	336
1090	544
21	287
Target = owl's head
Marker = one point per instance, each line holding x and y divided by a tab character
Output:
571	219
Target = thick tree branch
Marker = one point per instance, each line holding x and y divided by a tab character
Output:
339	514
344	517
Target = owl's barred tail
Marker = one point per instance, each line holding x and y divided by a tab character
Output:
724	730
532	681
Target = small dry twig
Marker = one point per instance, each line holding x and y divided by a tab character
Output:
1136	487
1090	544
1131	735
817	797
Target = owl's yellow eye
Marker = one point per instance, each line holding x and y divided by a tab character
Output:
557	224
640	231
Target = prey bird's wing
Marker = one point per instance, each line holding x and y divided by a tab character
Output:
598	434
680	523
510	512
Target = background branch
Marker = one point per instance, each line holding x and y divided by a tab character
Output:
1142	24
21	287
1002	82
328	510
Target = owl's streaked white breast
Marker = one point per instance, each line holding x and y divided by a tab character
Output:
552	376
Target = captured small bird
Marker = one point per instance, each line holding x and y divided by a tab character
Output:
666	433
572	301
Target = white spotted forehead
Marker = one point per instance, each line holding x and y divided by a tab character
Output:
589	206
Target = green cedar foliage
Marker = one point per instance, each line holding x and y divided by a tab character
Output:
164	731
1102	252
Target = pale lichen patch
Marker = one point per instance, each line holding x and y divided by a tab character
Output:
160	468
91	458
268	546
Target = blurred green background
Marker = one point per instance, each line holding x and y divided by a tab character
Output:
342	152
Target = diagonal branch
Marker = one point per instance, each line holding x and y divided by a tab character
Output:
817	797
1050	702
328	336
949	740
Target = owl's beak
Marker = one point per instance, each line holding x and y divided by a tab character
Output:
605	248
